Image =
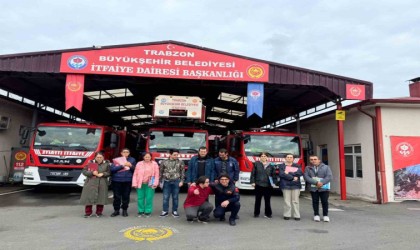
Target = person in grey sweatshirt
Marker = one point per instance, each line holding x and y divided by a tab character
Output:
319	176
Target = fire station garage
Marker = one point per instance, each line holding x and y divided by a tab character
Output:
116	86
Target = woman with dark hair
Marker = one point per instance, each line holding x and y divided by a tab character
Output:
290	173
95	189
196	204
146	179
260	180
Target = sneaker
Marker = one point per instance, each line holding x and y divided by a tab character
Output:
87	215
203	220
164	214
298	219
268	216
232	222
286	218
140	214
222	219
326	219
256	215
190	220
316	218
147	215
124	213
175	214
98	215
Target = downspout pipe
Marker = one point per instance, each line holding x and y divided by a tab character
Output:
375	155
340	132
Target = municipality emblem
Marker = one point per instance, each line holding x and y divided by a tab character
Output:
146	233
77	62
405	149
255	71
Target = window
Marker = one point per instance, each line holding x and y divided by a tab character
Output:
353	158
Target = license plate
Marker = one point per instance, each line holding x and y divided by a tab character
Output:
59	173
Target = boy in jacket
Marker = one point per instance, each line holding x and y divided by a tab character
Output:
172	173
226	199
122	175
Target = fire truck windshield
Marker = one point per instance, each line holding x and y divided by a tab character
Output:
67	138
276	146
188	142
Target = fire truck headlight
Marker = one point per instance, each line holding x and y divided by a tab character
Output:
78	161
44	159
28	172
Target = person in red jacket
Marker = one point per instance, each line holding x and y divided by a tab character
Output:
196	204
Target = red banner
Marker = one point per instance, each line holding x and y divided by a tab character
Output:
164	61
355	92
74	91
406	166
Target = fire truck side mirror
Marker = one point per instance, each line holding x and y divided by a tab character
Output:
310	147
25	134
114	141
141	142
216	144
234	144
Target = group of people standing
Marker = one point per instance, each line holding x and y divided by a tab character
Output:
264	178
204	176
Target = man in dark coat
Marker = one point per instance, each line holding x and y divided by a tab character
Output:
226	199
224	164
200	165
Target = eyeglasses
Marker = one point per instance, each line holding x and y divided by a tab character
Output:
224	179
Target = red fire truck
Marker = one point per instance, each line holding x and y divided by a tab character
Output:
246	146
177	127
59	151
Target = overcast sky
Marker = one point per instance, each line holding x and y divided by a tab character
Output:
376	41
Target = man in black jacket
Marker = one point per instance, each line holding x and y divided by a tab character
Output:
226	199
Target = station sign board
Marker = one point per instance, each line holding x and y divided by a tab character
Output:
166	106
164	61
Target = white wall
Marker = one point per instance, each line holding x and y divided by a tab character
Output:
9	138
397	120
357	130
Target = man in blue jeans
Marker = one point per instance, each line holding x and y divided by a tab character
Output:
172	174
318	175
